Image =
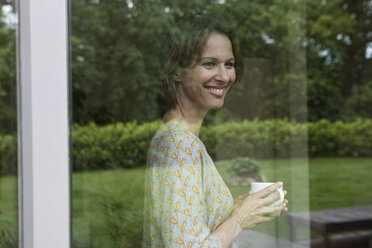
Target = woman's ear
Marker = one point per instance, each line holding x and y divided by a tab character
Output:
177	77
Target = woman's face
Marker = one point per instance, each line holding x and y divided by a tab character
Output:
204	85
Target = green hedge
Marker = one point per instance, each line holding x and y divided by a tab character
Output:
125	145
257	139
340	139
112	146
8	155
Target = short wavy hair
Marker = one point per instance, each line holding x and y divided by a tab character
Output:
186	40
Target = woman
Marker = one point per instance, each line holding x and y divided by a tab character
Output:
187	204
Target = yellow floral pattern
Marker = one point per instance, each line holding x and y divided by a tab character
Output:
186	199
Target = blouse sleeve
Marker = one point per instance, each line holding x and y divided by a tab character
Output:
178	209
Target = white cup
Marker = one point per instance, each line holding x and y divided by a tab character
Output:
257	186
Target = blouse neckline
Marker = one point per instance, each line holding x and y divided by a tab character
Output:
182	126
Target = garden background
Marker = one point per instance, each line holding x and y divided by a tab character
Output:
308	86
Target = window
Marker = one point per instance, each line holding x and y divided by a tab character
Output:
80	127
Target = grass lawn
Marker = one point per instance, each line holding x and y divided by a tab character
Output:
329	180
107	208
8	210
333	183
107	205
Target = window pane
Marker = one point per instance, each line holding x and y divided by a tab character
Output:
8	126
118	102
339	96
300	114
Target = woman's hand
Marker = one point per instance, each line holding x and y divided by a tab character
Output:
252	209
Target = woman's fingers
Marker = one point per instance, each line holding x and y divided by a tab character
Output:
266	191
266	219
272	210
271	198
260	213
258	206
281	207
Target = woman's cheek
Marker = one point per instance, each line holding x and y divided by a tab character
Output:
233	76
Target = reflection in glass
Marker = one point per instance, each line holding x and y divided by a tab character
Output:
301	114
8	127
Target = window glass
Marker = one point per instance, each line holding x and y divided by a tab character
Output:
300	114
8	126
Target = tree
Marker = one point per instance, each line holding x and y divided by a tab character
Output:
118	46
338	34
8	80
116	59
113	62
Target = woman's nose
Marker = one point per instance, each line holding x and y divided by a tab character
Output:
222	74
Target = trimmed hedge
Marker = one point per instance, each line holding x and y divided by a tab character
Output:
8	155
113	146
340	139
256	139
125	145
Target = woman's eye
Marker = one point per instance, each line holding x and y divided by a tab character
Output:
208	65
229	65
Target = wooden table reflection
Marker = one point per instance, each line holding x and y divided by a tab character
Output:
332	221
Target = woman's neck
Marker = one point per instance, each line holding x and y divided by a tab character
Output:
191	119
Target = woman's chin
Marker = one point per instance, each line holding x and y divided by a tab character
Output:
217	106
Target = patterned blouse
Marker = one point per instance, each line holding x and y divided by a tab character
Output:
186	198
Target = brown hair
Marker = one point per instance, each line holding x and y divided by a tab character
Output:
186	40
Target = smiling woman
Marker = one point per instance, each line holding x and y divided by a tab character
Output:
202	64
205	84
187	204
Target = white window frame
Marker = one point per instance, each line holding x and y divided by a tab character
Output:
44	134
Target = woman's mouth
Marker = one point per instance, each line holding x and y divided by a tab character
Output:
215	91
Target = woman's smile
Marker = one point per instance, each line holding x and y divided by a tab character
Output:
204	85
216	91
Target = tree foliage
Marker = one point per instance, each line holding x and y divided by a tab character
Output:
305	59
8	80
